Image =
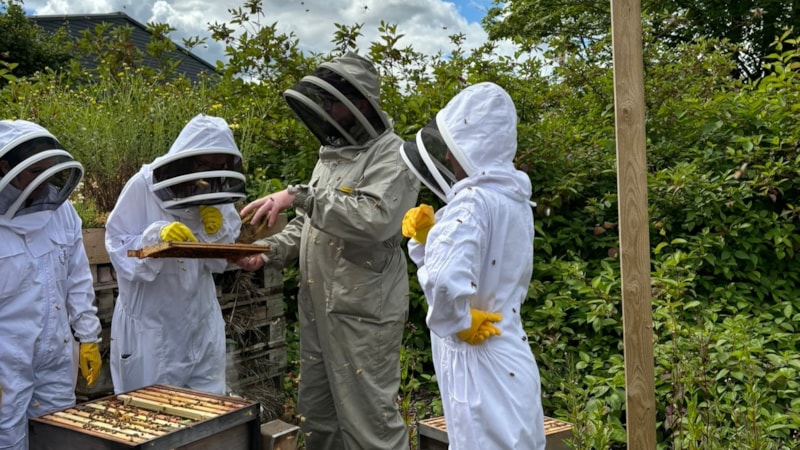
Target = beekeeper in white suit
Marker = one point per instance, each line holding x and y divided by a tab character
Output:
474	261
46	285
167	325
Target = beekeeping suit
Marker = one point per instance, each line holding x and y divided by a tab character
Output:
167	326
353	293
478	256
46	284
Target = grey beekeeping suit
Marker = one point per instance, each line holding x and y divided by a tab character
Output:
167	326
353	295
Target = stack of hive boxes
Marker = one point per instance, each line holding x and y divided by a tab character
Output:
252	306
255	328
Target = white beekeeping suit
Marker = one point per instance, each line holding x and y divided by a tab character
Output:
478	256
167	326
46	287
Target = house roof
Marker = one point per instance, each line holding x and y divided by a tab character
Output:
190	65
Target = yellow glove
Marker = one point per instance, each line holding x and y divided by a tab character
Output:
211	217
177	232
482	327
418	222
90	362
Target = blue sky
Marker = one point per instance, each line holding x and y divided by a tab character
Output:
473	10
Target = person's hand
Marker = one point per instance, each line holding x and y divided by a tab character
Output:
249	263
177	232
267	207
417	222
90	362
211	217
482	327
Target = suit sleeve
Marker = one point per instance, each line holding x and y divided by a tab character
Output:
80	285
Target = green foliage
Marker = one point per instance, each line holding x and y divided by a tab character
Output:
114	53
112	125
417	382
723	182
5	71
729	233
723	187
24	47
283	151
569	27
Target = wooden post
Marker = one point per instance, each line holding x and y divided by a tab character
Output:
634	236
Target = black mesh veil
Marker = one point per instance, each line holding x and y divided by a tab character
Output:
426	156
36	175
208	176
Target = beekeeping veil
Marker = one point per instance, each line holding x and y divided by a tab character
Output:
36	173
478	129
338	103
203	167
425	157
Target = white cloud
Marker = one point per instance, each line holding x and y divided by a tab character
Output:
425	24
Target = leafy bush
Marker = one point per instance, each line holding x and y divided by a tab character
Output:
723	185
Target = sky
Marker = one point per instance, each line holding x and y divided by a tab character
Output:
426	24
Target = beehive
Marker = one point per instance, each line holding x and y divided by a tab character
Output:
154	417
252	306
432	434
279	435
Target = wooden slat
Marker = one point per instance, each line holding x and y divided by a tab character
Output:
197	250
156	406
94	242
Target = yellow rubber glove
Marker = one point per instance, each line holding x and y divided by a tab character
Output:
177	232
90	362
482	327
417	222
211	217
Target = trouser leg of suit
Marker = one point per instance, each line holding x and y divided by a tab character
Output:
48	385
208	374
350	376
319	424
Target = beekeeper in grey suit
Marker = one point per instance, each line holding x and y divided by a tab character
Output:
353	297
167	326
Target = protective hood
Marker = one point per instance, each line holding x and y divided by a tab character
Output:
477	127
339	102
203	167
426	156
36	173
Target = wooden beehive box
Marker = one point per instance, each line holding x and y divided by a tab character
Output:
154	417
279	435
255	327
432	434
